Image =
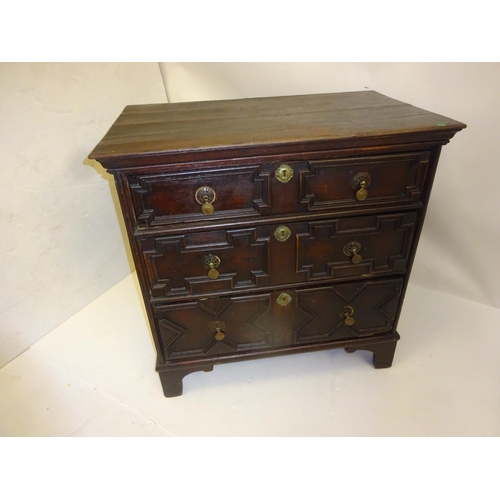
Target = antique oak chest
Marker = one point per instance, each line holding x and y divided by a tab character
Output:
270	226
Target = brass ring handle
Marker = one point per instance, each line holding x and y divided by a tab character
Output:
352	250
361	193
218	327
212	262
360	182
205	196
346	313
219	334
207	208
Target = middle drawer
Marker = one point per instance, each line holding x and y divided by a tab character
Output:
218	261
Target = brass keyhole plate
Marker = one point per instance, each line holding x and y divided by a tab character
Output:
284	173
283	299
282	233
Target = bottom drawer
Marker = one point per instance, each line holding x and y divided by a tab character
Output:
228	325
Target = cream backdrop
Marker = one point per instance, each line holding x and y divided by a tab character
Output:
61	241
61	244
460	241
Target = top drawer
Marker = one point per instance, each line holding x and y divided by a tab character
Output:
278	188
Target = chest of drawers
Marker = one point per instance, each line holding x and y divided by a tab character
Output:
269	226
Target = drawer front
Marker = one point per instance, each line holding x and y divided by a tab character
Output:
388	179
347	247
204	195
367	246
350	310
190	329
182	265
246	191
225	326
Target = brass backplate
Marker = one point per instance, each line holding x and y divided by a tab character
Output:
205	194
211	261
359	178
215	326
352	248
346	311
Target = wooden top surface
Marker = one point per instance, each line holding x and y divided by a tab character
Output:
218	125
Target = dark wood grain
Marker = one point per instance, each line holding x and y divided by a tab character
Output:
247	125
